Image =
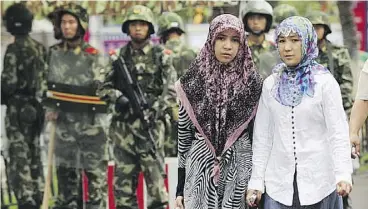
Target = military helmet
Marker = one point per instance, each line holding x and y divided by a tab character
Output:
76	10
258	7
18	19
140	13
54	18
319	18
170	21
283	11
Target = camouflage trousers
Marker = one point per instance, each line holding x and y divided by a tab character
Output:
131	158
25	168
171	142
79	146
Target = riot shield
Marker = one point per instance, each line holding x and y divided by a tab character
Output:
79	120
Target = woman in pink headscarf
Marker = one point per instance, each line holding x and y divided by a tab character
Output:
218	97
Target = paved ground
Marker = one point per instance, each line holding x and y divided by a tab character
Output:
359	195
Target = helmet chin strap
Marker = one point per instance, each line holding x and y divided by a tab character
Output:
257	33
76	37
140	41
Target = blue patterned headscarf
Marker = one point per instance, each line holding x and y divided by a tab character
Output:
293	83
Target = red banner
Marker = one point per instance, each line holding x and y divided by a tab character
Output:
360	12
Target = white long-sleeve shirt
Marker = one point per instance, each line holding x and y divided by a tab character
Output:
311	138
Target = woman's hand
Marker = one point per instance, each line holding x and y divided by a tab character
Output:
51	116
355	142
179	202
253	197
343	188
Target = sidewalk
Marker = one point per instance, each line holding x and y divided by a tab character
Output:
359	195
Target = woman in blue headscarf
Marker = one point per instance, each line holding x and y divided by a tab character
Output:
301	151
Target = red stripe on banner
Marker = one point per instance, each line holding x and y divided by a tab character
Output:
110	184
77	97
85	186
140	191
167	182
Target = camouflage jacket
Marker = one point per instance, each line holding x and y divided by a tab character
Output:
182	55
341	70
24	65
257	50
152	68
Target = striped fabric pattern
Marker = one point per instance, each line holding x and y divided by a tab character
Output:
200	190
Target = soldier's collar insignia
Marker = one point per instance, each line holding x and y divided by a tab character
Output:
324	48
91	50
168	51
77	50
147	47
266	44
137	11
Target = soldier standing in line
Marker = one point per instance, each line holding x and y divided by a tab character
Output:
268	59
171	30
283	11
52	16
337	60
21	78
75	69
150	66
257	20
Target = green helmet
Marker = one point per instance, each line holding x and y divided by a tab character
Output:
283	11
170	20
76	10
53	17
319	18
258	7
141	13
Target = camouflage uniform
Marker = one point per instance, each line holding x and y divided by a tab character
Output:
182	57
265	9
152	69
182	54
24	62
269	58
80	138
258	50
336	59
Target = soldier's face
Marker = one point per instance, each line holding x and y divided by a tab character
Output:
320	30
138	30
69	26
290	49
256	22
226	46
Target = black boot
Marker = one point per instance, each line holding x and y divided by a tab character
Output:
158	205
92	206
28	206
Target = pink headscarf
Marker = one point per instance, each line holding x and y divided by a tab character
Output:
221	99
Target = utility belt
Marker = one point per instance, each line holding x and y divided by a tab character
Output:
71	98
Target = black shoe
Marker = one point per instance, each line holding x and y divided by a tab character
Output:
28	206
158	205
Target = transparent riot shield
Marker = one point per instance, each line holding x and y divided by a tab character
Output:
75	132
